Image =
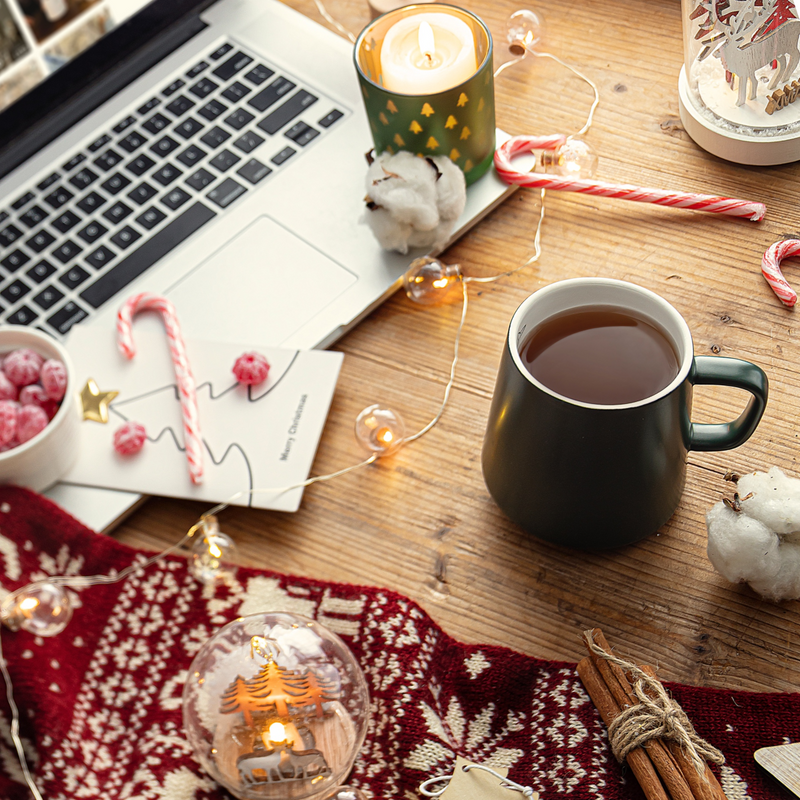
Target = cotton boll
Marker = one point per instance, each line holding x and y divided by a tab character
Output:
413	201
775	500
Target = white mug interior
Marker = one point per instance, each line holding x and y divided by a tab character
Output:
576	293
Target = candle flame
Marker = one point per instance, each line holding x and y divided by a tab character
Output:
277	733
427	45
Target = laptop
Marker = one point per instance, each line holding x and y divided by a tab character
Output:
212	152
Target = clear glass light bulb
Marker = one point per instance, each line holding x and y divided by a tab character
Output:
524	30
42	609
380	429
574	159
346	793
214	553
428	280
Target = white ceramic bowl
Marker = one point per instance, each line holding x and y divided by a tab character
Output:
42	460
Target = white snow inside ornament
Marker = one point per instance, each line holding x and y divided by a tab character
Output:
755	538
413	201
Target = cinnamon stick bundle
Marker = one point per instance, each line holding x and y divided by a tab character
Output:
663	768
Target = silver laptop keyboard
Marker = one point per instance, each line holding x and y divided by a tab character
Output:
77	237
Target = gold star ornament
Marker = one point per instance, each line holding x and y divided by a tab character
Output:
95	403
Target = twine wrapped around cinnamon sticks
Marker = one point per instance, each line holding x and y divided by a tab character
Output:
647	728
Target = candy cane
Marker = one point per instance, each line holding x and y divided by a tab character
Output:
771	269
696	202
183	372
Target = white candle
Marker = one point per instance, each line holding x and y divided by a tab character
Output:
427	53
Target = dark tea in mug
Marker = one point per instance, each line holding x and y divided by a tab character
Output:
602	355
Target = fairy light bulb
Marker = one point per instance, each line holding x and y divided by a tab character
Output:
573	159
347	793
43	609
428	280
214	553
380	429
524	30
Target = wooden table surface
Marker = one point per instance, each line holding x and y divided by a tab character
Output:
421	522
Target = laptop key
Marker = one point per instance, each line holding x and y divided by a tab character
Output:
212	110
224	160
100	257
218	53
73	162
203	88
164	146
124	124
9	235
200	179
67	251
41	271
67	221
125	237
197	69
40	241
294	106
33	216
180	105
142	193
188	128
74	277
284	155
215	137
166	174
108	160
48	181
22	316
301	134
4	216
92	232
234	64
15	291
269	96
88	204
151	218
140	165
133	141
116	183
248	142
48	297
21	202
236	91
117	212
175	199
191	155
173	87
59	197
148	106
14	260
254	171
239	118
67	316
330	118
141	259
228	191
156	123
259	74
98	143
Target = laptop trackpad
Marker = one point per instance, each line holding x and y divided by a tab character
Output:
260	287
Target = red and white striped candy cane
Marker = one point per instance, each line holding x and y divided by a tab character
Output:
771	269
696	202
183	372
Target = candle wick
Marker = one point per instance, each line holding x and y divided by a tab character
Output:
429	57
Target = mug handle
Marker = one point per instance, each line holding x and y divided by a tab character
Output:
719	371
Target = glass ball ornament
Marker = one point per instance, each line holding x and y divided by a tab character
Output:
524	30
43	609
380	430
276	707
429	281
573	159
214	553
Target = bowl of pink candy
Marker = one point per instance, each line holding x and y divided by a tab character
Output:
39	409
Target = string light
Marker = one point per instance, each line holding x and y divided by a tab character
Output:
524	30
380	430
214	554
42	609
429	281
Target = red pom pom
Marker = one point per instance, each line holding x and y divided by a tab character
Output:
251	369
22	366
53	377
30	421
129	438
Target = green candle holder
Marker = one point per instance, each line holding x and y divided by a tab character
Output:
458	122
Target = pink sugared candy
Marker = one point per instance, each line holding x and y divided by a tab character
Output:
129	438
22	366
30	421
7	389
9	410
33	395
251	369
53	377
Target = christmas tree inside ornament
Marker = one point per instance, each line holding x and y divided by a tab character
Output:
429	281
43	609
380	430
276	708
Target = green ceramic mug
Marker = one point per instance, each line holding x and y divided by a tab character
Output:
603	476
